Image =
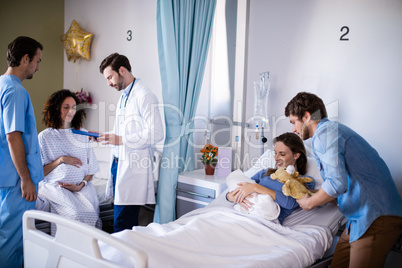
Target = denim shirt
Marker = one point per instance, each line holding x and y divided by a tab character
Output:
287	203
356	175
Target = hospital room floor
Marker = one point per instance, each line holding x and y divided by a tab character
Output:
146	217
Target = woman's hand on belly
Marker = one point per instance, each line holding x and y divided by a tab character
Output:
71	186
71	160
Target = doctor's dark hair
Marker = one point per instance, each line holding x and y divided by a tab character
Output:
306	102
52	110
21	46
296	145
115	61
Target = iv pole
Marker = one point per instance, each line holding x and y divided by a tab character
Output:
263	138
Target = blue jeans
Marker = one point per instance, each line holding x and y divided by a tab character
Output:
125	216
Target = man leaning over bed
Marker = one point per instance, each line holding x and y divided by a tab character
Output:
357	177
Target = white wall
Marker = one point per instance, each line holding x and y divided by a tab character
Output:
109	21
298	42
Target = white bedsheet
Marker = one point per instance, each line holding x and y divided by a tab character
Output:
219	236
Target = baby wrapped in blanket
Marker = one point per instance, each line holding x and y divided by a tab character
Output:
263	204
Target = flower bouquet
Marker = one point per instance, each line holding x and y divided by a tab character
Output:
83	97
208	158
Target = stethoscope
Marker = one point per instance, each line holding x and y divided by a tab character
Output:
122	96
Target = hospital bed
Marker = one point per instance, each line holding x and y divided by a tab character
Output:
214	236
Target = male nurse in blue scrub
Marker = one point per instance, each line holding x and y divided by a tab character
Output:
357	177
20	161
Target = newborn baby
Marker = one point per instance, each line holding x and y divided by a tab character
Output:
263	204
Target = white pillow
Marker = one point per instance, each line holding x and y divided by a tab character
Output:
267	160
314	172
308	147
312	168
234	178
104	172
102	154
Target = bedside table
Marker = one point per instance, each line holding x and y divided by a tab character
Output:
196	190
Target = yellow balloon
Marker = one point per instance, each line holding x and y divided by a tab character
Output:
77	42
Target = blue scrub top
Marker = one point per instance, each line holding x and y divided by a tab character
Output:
17	114
354	172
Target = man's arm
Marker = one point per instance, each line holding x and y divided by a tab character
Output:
17	151
110	138
318	199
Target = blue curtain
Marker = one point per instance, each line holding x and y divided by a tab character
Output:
184	30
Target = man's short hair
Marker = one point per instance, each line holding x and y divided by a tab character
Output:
21	46
115	61
306	102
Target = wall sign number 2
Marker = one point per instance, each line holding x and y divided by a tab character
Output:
345	31
129	35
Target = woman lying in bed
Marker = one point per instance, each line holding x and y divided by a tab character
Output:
289	150
219	236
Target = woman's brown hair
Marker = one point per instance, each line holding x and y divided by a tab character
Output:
296	145
52	110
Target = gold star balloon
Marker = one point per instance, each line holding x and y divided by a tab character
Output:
77	42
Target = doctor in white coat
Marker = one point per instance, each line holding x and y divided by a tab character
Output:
137	128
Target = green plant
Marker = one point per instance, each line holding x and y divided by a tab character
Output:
209	153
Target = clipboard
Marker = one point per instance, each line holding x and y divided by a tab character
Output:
86	133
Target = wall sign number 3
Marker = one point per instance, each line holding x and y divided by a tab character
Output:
345	31
129	35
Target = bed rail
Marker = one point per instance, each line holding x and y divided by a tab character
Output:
74	245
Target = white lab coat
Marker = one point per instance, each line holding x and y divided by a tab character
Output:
138	121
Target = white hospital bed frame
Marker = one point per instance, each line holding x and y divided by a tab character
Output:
76	244
63	250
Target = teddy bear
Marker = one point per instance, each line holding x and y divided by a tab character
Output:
293	185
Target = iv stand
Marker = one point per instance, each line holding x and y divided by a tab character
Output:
263	138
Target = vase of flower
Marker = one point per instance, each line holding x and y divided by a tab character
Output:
208	158
83	98
209	169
